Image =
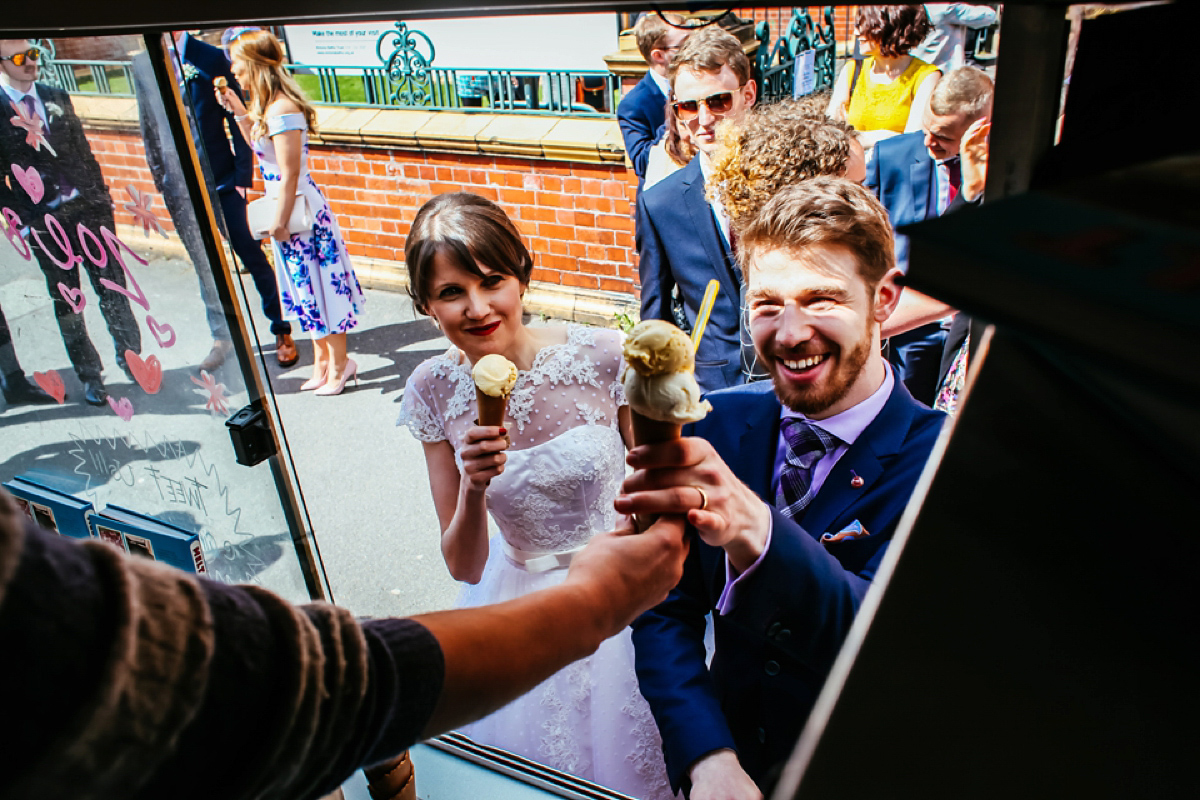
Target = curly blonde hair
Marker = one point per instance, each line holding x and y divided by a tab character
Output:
774	146
262	54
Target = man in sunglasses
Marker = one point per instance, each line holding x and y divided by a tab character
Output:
52	173
683	237
643	112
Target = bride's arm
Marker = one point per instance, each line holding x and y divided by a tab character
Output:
459	498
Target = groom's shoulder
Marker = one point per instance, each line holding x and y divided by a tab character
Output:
734	404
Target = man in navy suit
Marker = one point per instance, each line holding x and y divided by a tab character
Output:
683	237
917	176
233	172
40	133
642	113
793	489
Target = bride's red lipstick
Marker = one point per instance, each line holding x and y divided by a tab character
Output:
484	330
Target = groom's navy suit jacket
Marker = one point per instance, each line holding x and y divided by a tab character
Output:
679	243
774	649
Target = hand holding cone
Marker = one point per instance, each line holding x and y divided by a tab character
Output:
660	384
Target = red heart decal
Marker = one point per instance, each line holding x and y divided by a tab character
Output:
52	384
122	407
147	373
31	181
164	334
74	297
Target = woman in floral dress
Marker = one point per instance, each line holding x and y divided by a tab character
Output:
316	281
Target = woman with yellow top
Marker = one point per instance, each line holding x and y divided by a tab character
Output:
889	94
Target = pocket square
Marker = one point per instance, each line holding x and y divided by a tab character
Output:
854	530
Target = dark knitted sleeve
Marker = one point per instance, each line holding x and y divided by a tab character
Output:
137	680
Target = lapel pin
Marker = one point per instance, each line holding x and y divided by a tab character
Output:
856	481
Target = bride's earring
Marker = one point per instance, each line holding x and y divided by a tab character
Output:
435	322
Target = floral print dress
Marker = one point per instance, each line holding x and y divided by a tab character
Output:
317	285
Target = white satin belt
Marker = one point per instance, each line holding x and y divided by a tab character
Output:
538	562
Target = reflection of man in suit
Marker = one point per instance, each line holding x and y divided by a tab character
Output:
232	165
917	176
683	237
794	494
74	194
642	113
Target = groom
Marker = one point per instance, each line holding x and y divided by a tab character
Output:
793	489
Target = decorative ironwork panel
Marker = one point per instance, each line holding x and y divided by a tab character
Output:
407	67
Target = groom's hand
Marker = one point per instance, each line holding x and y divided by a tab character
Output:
719	776
686	476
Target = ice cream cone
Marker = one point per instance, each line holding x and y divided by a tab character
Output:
491	409
653	431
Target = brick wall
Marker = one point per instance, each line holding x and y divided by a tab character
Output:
576	217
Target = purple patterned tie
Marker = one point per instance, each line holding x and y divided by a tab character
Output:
806	443
30	105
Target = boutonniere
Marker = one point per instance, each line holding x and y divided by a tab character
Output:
53	110
190	73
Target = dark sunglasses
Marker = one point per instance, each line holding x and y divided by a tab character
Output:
19	59
717	104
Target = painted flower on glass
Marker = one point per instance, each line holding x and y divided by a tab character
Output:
140	208
31	123
212	392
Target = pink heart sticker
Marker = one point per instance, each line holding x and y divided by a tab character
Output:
52	384
122	407
74	297
147	373
31	181
164	334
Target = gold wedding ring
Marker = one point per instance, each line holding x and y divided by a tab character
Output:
703	497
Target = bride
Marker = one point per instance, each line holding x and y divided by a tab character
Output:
549	491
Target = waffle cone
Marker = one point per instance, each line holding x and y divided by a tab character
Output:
653	431
491	409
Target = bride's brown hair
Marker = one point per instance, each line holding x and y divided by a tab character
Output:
468	230
265	76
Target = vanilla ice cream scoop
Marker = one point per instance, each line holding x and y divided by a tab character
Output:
494	375
656	347
659	381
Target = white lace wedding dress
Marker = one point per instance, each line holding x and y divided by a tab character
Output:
563	471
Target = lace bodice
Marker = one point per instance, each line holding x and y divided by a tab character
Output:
566	462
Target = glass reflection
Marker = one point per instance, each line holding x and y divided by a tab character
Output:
110	394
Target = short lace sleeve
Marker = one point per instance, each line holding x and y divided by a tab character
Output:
611	363
286	122
417	408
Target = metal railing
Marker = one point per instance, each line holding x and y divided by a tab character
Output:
560	92
776	59
111	78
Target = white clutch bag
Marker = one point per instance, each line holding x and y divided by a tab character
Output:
260	216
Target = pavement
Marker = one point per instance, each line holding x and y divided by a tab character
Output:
362	480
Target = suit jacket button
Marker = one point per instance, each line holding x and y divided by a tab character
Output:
783	636
774	629
772	668
762	736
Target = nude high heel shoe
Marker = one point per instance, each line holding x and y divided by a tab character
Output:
315	382
351	371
